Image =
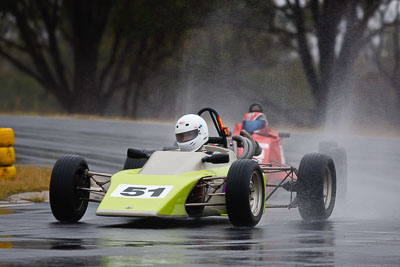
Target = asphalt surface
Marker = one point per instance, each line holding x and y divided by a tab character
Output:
40	141
363	231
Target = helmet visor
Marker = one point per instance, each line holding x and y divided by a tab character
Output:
187	136
252	126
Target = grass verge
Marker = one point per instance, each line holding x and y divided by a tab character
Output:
29	179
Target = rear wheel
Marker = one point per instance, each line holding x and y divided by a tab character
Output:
245	193
132	163
326	146
67	201
339	157
317	186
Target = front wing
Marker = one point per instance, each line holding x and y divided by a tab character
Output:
134	194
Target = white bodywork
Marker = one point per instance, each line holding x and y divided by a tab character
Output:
170	162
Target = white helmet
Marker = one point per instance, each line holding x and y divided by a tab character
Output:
191	132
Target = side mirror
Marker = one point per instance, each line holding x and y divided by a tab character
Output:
216	158
284	135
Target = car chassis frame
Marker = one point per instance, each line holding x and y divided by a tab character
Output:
288	183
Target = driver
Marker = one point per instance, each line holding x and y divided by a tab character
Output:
255	120
191	132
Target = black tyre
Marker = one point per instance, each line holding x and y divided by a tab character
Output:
68	203
339	157
326	146
317	186
131	163
245	193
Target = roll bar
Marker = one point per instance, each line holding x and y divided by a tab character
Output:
221	130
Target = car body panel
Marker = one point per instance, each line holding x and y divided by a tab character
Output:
272	152
270	143
137	193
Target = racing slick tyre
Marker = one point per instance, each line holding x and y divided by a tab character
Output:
68	203
317	186
326	146
339	157
6	137
131	163
7	156
245	193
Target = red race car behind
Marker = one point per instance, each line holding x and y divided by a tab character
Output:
256	124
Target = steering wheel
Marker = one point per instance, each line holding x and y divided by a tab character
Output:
221	130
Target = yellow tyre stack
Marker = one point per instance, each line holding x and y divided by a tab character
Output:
7	154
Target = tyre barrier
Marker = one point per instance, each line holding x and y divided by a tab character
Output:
8	172
6	137
7	154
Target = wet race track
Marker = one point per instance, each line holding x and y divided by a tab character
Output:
364	231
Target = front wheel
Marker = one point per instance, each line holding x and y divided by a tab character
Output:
245	193
68	201
317	186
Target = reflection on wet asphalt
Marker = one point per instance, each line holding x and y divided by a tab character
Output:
30	236
364	231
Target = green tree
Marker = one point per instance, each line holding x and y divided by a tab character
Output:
386	47
83	52
329	36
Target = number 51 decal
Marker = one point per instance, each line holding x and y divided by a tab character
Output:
141	191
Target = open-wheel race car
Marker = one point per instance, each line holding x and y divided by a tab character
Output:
212	181
271	151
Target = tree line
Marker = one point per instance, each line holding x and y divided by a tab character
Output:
94	55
